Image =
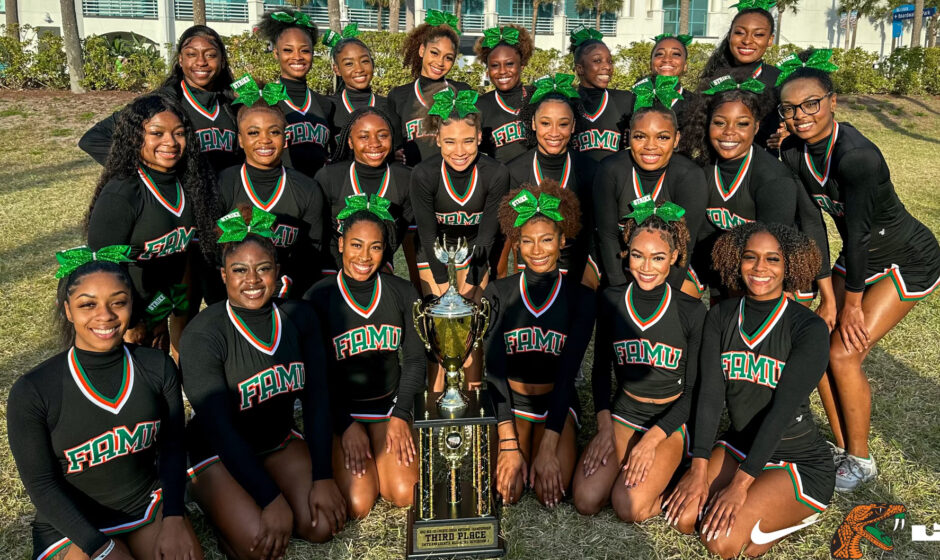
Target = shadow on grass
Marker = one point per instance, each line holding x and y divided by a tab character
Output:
919	103
13	181
37	254
888	123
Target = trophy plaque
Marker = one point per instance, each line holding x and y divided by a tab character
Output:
453	515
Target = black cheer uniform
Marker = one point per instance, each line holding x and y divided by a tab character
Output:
86	430
540	326
503	133
458	204
849	179
308	114
242	370
298	205
149	212
762	359
410	104
365	327
347	178
348	100
652	340
573	171
620	183
766	74
599	130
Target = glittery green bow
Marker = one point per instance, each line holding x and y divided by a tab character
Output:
248	91
758	4
234	228
684	39
332	37
548	84
582	34
668	211
662	88
726	83
437	17
372	203
160	307
496	35
299	18
819	60
70	259
526	205
446	102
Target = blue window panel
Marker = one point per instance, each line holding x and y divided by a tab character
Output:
698	17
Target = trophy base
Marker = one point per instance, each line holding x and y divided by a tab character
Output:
454	532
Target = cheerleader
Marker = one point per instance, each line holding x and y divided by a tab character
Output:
353	65
670	57
366	321
83	427
430	51
244	362
762	356
541	323
653	333
847	176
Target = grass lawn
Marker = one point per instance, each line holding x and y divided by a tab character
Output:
45	185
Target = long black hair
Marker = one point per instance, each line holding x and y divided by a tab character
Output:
528	110
721	59
65	331
759	104
224	77
343	151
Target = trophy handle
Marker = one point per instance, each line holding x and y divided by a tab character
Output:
484	316
418	316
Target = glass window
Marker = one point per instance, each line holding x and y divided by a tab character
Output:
698	16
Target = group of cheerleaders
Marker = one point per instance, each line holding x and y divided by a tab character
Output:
280	209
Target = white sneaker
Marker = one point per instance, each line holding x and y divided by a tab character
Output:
852	472
838	454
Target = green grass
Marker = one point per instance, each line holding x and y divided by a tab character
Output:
44	192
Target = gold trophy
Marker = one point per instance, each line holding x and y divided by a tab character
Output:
453	514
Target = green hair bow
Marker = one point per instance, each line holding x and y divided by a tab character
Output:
437	17
162	304
668	211
582	34
726	83
548	84
527	205
71	259
234	228
299	18
446	102
662	88
684	39
249	92
332	37
819	60
372	203
752	4
496	35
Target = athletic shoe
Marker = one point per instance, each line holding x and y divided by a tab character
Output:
838	454
852	472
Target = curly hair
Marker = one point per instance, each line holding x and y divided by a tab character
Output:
689	139
525	47
568	206
343	151
675	234
386	227
245	209
433	123
421	36
800	254
528	111
271	29
66	287
222	79
821	76
721	59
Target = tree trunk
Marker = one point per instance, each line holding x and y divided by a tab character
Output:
13	19
684	16
394	6
932	32
597	15
199	12
918	22
458	11
409	15
854	33
778	36
333	9
535	15
73	46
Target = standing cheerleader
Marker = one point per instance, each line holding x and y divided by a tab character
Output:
264	182
504	52
364	166
354	66
83	428
157	196
541	324
670	57
244	362
848	178
198	81
653	333
308	114
605	112
430	51
373	395
762	356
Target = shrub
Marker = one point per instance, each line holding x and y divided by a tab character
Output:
118	64
858	72
32	61
904	67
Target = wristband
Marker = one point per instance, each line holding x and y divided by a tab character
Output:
106	551
508	439
510	449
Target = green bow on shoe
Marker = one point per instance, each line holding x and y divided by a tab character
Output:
819	59
160	307
582	34
668	211
234	228
446	102
71	259
527	205
332	38
371	203
299	18
662	88
684	39
248	91
752	4
548	84
496	35
437	17
727	83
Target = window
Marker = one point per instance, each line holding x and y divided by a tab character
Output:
698	16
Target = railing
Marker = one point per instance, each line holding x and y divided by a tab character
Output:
215	11
138	9
472	23
320	15
544	26
367	18
608	26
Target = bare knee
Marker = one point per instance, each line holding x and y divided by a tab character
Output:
631	510
840	358
686	523
360	503
399	492
588	502
319	534
725	547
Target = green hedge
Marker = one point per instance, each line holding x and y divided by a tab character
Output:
39	62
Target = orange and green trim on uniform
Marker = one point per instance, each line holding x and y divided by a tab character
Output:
538	310
638	186
594	268
823	177
643	429
600	108
256	199
363	310
211	115
693	277
308	100
112	405
372	418
658	313
505	106
174	208
764	329
894	272
727	193
565	172
201	466
792	470
354	179
803	297
253	339
347	103
460	199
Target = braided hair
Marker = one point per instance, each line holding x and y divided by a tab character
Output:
343	151
800	255
419	37
568	206
675	233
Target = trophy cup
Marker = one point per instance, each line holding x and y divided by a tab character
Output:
453	514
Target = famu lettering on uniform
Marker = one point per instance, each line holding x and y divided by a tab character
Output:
831	207
534	339
415	129
173	242
595	139
271	383
216	140
747	366
284	235
112	444
367	338
307	132
508	133
724	218
459	218
640	351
